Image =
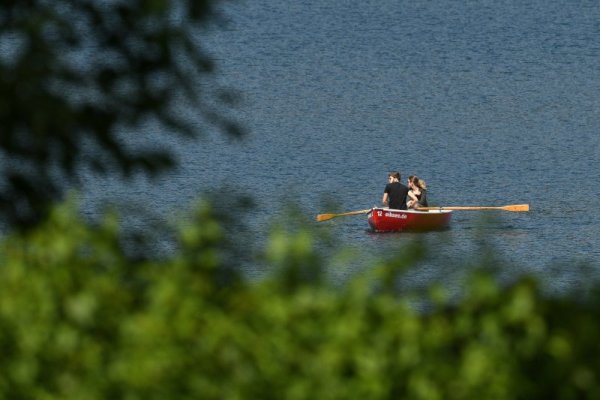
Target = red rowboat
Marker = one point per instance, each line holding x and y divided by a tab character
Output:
390	220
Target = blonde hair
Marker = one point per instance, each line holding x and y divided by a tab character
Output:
418	182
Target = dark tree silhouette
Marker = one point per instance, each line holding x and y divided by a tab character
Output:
80	77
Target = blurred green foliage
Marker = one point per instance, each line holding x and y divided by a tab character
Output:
79	320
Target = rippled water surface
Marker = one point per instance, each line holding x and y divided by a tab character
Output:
492	103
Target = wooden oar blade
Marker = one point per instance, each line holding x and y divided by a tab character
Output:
325	217
517	208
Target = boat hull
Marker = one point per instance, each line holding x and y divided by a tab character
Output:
390	220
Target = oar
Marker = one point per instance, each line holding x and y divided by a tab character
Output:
512	207
326	217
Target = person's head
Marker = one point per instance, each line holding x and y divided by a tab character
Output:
409	181
394	176
415	181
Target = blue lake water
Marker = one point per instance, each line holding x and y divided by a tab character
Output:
491	102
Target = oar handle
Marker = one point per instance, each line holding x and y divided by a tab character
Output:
326	217
355	212
461	208
512	207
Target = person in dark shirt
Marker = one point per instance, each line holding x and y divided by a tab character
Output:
394	194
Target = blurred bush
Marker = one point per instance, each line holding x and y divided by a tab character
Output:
79	320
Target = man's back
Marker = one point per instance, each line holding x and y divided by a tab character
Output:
397	195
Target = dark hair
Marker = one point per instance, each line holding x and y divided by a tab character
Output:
395	174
